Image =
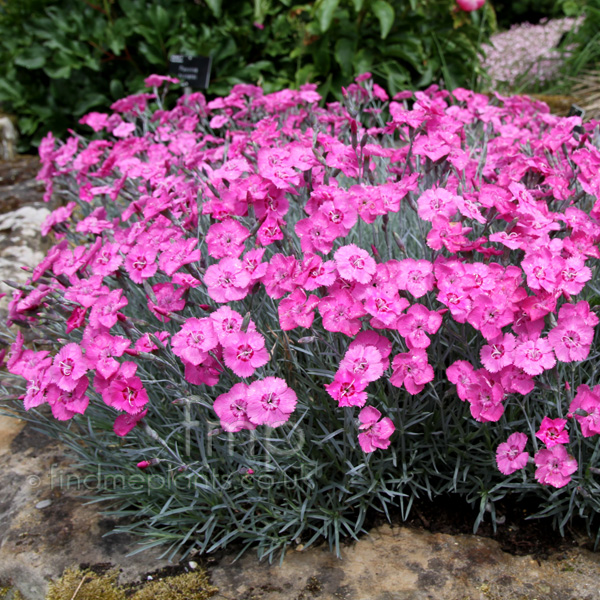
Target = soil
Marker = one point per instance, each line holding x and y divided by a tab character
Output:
518	535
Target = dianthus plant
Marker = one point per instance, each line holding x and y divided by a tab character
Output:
281	270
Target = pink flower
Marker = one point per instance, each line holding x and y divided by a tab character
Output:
245	352
126	422
341	312
463	375
168	300
231	408
384	305
552	432
195	340
179	253
107	260
510	456
571	339
269	232
554	466
574	275
297	310
97	121
541	271
340	215
70	261
68	367
490	314
252	263
416	324
437	202
412	370
158	80
315	234
279	278
585	408
534	356
86	291
365	362
226	239
354	264
227	280
228	322
315	273
449	234
126	391
206	373
270	402
105	310
415	276
141	263
66	404
470	5
498	353
372	338
375	433
486	401
348	389
100	351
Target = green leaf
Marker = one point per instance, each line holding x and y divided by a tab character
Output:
161	19
63	72
152	54
344	54
90	101
386	15
325	11
116	89
363	61
31	58
358	4
215	6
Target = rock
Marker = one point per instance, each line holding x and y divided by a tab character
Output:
398	563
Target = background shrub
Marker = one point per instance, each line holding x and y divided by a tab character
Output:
61	58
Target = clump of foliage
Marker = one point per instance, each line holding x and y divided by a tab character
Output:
584	43
263	319
61	58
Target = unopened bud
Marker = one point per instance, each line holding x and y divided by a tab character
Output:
399	242
307	340
144	464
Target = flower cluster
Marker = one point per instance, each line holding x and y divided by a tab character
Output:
527	50
410	253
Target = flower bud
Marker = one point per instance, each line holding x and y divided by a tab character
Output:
144	464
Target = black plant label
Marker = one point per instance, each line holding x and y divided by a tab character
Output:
194	70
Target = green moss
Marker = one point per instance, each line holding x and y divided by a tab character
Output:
87	585
8	592
189	586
